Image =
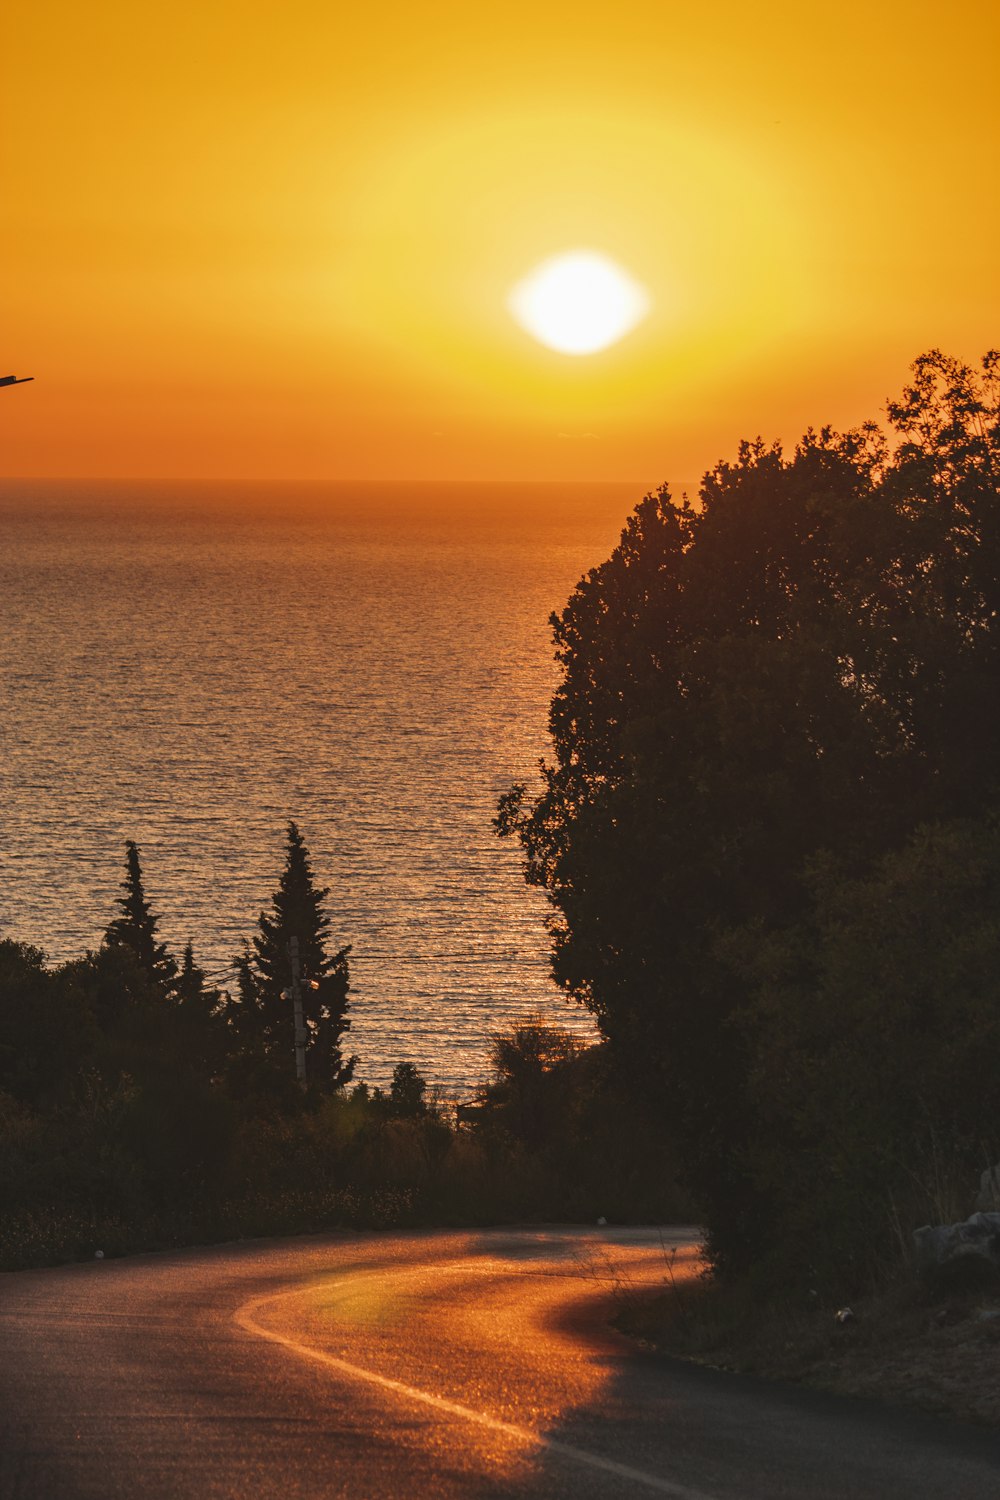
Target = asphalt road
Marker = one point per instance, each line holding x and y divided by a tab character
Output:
410	1366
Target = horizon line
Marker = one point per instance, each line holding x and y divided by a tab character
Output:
295	479
641	487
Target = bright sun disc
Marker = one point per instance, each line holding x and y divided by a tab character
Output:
578	302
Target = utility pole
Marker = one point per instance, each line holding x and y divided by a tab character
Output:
300	1025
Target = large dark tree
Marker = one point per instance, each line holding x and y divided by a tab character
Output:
264	1014
806	662
136	927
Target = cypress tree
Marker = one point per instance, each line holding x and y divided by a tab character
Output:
195	997
297	910
191	979
136	927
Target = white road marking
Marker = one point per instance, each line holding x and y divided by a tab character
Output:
244	1318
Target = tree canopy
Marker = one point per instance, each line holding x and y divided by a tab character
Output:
806	664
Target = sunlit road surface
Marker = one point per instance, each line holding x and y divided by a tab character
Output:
438	1364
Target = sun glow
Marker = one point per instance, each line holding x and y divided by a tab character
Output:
578	302
332	193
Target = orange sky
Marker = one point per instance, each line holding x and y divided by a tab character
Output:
277	239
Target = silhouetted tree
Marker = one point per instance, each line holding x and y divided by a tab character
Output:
189	1033
809	661
407	1092
202	1014
264	1015
136	927
46	1031
530	1084
191	979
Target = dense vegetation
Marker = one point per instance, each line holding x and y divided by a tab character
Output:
769	827
140	1106
770	831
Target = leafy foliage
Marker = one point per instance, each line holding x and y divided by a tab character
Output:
874	1031
529	1089
806	664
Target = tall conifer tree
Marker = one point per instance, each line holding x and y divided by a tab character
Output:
136	927
266	974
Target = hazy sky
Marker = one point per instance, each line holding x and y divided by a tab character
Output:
276	239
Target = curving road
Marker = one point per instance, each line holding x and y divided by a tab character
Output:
425	1365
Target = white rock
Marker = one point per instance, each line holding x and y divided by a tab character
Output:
938	1245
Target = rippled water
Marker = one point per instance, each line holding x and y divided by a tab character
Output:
192	666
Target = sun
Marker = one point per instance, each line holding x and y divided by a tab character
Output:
578	302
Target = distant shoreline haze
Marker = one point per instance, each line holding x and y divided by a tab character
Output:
444	500
191	665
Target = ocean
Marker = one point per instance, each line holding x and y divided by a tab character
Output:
192	665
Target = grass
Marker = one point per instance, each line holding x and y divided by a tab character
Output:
906	1345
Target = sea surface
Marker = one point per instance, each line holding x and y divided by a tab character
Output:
190	666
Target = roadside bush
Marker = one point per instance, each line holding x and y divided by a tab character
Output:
875	1037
